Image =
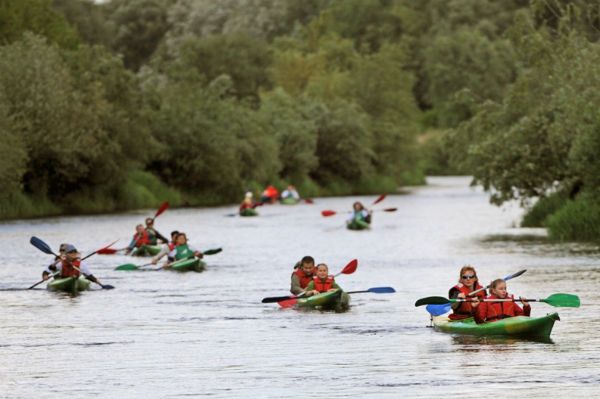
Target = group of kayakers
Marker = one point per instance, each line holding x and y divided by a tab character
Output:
269	196
147	235
478	304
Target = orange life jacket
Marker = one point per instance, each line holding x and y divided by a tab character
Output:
141	239
492	311
323	286
303	278
67	269
465	309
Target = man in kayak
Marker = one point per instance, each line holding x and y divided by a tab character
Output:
290	193
467	283
52	267
270	195
70	265
303	275
139	238
322	282
493	311
182	250
153	234
360	215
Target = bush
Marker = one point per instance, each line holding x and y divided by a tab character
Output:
536	216
577	220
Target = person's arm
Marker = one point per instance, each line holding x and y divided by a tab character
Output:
132	244
453	294
480	311
525	311
163	251
295	287
335	286
310	289
160	236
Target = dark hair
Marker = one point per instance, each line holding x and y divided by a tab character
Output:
174	232
307	259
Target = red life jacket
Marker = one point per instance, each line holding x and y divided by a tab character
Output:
67	269
303	278
172	246
323	286
492	311
465	309
141	239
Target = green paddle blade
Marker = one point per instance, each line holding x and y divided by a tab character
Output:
212	251
562	300
127	266
432	300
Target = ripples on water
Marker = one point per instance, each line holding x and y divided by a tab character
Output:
169	335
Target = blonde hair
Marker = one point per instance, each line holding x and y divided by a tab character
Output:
467	268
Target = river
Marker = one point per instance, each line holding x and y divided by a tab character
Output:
172	335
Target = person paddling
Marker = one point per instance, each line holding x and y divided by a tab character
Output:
467	283
303	275
182	250
168	247
321	282
494	311
139	238
290	193
53	267
247	204
153	234
360	215
70	265
270	195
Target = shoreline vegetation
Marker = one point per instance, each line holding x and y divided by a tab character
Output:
119	105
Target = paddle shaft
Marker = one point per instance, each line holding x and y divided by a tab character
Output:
517	274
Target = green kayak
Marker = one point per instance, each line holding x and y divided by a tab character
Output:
69	284
249	212
186	265
289	201
357	224
146	250
519	326
335	300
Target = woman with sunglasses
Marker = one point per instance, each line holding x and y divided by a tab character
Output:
467	283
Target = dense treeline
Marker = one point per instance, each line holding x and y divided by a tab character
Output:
121	104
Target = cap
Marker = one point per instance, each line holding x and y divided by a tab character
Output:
70	248
249	194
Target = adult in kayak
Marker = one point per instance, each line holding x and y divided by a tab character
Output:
182	250
494	311
70	265
321	282
168	247
247	206
360	216
53	267
303	275
139	238
290	195
467	283
270	195
153	234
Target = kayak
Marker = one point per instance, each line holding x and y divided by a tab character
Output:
334	300
186	265
249	212
519	326
357	224
289	201
69	284
146	250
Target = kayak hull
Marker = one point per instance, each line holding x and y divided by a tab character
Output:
147	250
357	225
289	201
248	212
72	285
520	326
188	265
336	300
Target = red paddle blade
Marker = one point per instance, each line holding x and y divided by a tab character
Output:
107	251
390	209
379	199
308	201
350	267
288	303
162	208
328	213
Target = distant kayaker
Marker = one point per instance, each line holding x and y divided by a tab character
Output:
139	238
153	234
247	203
322	282
53	267
70	265
303	275
467	283
290	193
493	311
168	247
360	214
270	195
182	250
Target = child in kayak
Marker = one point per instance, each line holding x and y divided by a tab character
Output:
182	250
247	204
53	267
493	311
303	275
153	234
360	215
70	265
467	283
290	193
322	282
168	247
139	238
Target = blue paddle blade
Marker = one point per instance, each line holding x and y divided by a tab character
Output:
382	290
438	310
41	245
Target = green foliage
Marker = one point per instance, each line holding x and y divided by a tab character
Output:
577	220
544	207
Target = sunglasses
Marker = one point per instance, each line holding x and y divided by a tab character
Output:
465	277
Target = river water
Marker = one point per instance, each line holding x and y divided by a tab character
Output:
171	335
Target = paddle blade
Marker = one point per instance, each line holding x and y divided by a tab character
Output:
288	303
562	300
41	245
438	310
212	251
517	274
382	290
379	199
274	299
432	300
162	208
390	209
327	213
107	251
107	287
127	266
350	267
308	201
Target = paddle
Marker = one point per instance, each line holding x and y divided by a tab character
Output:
163	207
556	300
438	310
42	246
348	269
131	266
329	212
110	251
